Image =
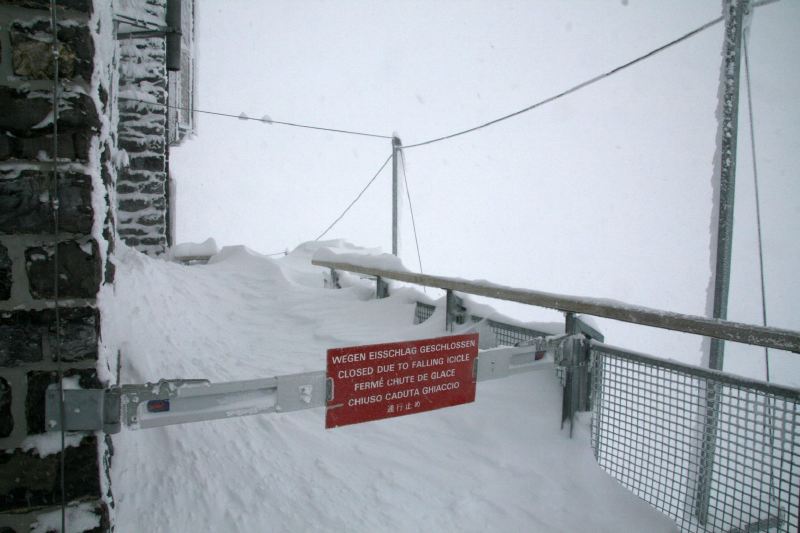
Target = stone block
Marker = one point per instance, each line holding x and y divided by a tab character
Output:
21	339
31	56
154	187
6	418
79	270
131	176
154	241
82	142
80	114
38	381
6	278
133	205
25	205
28	481
152	220
132	232
84	6
23	110
126	188
30	336
80	330
135	145
155	164
21	113
41	147
5	147
140	130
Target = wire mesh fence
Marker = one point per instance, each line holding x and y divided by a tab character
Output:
505	334
423	312
509	334
713	451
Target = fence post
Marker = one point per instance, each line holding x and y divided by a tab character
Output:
573	362
396	147
572	366
335	279
381	288
455	311
729	93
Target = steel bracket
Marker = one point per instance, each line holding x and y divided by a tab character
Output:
381	288
84	409
572	368
456	312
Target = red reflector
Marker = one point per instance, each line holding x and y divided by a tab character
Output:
157	406
539	355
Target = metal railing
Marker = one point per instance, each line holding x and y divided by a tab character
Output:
769	337
714	451
423	312
505	334
648	431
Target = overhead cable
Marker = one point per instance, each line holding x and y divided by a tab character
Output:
758	202
574	88
265	119
356	198
411	210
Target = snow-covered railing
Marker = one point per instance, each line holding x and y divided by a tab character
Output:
714	451
780	339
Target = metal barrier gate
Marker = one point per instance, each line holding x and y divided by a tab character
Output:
714	451
648	431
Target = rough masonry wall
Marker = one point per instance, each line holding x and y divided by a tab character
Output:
142	185
29	338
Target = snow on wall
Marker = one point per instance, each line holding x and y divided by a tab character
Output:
142	187
32	247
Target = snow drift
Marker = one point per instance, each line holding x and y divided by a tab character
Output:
498	464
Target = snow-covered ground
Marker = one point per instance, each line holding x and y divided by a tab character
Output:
499	464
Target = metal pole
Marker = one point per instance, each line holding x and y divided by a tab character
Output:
734	11
729	91
396	147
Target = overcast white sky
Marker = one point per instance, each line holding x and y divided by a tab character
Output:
604	193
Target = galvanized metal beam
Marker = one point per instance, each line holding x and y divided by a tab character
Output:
396	147
780	339
734	11
726	166
181	401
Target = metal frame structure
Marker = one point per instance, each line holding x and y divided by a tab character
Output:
714	451
181	401
648	432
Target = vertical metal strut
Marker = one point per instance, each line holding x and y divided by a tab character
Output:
396	147
734	11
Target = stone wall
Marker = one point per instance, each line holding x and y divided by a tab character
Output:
32	332
142	187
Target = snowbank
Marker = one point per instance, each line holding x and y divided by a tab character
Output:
185	250
499	464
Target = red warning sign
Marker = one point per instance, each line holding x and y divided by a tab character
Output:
401	378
